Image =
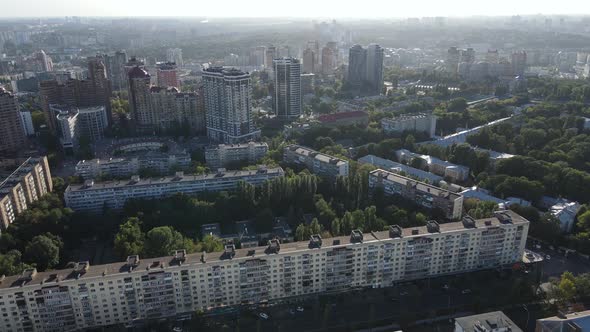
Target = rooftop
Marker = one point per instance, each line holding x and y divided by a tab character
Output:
307	152
420	186
16	176
397	167
147	264
490	321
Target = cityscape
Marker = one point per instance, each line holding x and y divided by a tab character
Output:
323	169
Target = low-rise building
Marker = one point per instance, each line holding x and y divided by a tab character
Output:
224	155
420	123
95	197
565	322
26	184
456	173
495	321
143	290
318	163
565	212
426	195
392	166
344	119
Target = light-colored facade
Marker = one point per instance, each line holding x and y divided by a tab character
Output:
162	163
27	122
95	197
429	196
228	105
74	123
420	123
142	289
175	55
318	163
30	181
456	173
222	155
166	75
392	166
287	98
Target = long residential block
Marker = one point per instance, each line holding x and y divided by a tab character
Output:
95	197
421	193
223	155
25	185
318	163
140	290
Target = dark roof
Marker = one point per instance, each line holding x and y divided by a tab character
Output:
137	72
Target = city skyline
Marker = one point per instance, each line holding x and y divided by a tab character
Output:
233	8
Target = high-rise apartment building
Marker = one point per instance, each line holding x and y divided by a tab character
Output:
307	84
314	45
25	185
95	196
228	105
224	155
287	100
518	63
144	290
74	123
115	65
12	134
328	60
174	55
468	55
365	69
420	123
139	98
166	75
309	62
44	61
453	59
271	54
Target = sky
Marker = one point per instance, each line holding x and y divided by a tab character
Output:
296	8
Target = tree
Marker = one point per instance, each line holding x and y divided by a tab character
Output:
210	243
43	251
301	233
162	241
314	227
335	229
584	221
130	239
566	287
11	263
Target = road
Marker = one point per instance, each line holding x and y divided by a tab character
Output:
559	263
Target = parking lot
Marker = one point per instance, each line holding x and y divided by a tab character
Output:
558	262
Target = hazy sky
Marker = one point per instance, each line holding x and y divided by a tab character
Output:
297	8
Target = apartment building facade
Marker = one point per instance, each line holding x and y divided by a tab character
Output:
420	123
95	197
138	290
30	181
318	163
159	162
222	155
426	195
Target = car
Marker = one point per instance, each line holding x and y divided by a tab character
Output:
548	257
300	309
446	287
403	293
263	315
466	291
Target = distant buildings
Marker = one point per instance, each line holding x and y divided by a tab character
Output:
329	59
287	99
115	66
26	185
166	75
518	63
456	173
309	58
491	321
12	133
270	55
419	123
96	197
344	119
307	84
402	169
318	163
426	195
223	155
365	69
174	55
461	137
228	105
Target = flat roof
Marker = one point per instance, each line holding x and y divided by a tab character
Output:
255	252
171	179
298	149
490	321
421	186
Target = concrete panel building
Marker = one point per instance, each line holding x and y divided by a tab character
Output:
222	155
318	163
420	123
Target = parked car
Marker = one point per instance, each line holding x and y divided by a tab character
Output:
466	291
263	315
300	309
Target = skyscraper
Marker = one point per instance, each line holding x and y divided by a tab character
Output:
139	98
228	108
357	66
115	65
309	62
12	135
98	89
166	74
271	54
468	55
453	58
287	102
174	55
375	69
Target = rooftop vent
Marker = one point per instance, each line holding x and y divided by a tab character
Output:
82	267
134	179
229	250
28	274
503	216
315	241
395	231
204	257
274	245
133	260
336	242
178	175
88	183
432	226
468	222
262	169
356	236
415	231
220	172
488	223
180	255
